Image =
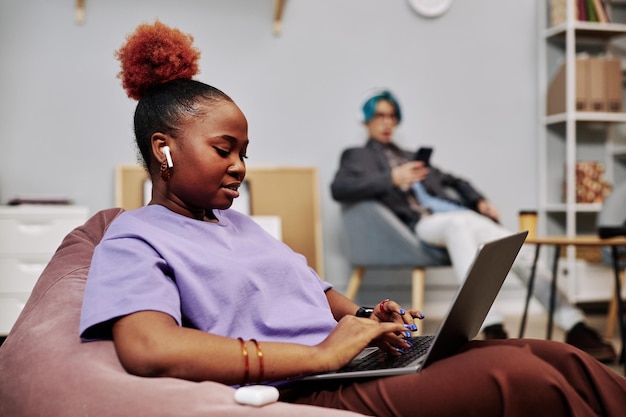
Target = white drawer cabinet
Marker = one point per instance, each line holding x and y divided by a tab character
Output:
29	236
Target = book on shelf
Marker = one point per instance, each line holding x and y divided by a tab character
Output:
600	10
558	12
584	11
581	10
591	11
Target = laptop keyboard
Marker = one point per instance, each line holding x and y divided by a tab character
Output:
382	360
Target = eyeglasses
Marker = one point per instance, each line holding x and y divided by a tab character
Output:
383	116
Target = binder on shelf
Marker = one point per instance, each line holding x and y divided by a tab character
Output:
614	89
556	89
582	86
597	84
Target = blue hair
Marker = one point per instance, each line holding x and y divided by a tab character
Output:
369	107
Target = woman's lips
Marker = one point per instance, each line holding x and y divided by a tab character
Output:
231	190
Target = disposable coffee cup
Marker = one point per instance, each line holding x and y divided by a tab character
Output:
528	221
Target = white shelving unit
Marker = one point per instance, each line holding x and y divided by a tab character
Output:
571	136
29	236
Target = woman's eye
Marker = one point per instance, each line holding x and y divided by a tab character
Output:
221	152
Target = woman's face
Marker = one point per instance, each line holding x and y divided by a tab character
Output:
382	125
208	161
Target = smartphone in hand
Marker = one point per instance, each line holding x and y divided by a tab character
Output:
423	154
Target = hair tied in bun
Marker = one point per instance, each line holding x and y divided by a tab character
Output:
155	54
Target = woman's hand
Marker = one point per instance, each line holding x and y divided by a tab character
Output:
390	311
353	334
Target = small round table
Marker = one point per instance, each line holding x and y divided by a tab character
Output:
582	240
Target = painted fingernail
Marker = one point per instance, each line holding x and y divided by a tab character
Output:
402	312
400	351
409	343
407	334
422	315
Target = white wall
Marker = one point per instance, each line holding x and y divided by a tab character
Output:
466	81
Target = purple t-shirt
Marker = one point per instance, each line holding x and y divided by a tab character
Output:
229	278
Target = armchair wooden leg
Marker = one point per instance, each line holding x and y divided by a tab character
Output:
355	282
417	285
611	318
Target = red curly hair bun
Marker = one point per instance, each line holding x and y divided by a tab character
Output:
155	54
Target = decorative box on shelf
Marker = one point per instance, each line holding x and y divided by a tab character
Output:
29	236
591	185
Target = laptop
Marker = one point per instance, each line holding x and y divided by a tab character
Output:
472	302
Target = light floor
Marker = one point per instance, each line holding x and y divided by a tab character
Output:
536	327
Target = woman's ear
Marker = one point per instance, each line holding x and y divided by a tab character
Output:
160	141
162	155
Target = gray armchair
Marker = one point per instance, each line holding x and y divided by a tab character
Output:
377	239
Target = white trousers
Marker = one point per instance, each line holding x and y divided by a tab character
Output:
461	232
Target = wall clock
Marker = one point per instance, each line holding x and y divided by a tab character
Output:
430	8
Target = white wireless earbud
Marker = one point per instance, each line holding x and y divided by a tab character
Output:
168	156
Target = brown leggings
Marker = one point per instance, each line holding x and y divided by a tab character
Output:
487	378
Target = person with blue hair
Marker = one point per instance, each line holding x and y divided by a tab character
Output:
369	107
460	221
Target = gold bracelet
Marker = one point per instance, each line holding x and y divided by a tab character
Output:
244	352
259	354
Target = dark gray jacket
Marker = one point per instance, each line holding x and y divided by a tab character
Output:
364	173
